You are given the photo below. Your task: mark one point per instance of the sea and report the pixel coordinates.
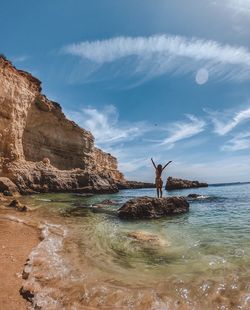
(88, 258)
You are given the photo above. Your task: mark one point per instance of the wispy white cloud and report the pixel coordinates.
(104, 125)
(133, 165)
(239, 142)
(117, 138)
(161, 54)
(239, 6)
(224, 122)
(113, 49)
(183, 130)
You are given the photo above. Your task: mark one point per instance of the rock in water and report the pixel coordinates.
(7, 187)
(18, 206)
(134, 185)
(145, 238)
(148, 207)
(173, 183)
(194, 196)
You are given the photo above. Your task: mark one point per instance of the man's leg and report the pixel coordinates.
(161, 192)
(157, 192)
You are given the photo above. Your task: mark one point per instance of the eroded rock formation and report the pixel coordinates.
(135, 185)
(148, 207)
(173, 183)
(7, 187)
(40, 149)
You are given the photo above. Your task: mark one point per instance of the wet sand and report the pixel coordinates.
(16, 243)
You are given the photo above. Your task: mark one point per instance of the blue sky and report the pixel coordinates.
(148, 78)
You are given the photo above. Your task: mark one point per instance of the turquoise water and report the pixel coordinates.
(90, 259)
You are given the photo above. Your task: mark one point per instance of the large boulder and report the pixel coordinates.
(7, 187)
(174, 183)
(148, 207)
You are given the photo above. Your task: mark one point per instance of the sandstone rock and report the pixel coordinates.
(7, 193)
(135, 185)
(146, 238)
(2, 198)
(46, 161)
(40, 149)
(148, 207)
(7, 187)
(174, 183)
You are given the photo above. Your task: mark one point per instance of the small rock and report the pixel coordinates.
(25, 275)
(107, 202)
(46, 161)
(7, 193)
(27, 294)
(18, 206)
(97, 206)
(193, 196)
(14, 203)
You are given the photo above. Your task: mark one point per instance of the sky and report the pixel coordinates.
(167, 79)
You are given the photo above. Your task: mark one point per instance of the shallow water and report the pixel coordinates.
(88, 258)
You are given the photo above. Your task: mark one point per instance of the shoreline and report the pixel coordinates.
(71, 278)
(17, 241)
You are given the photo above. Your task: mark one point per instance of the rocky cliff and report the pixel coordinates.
(40, 149)
(174, 183)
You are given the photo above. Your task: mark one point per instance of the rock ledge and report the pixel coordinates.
(174, 183)
(148, 207)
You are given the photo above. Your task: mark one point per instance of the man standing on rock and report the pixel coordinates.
(158, 179)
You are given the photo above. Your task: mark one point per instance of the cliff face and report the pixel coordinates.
(40, 149)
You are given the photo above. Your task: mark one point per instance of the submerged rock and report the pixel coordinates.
(173, 183)
(146, 238)
(17, 205)
(193, 196)
(84, 194)
(148, 207)
(108, 202)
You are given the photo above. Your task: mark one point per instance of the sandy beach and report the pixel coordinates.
(16, 243)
